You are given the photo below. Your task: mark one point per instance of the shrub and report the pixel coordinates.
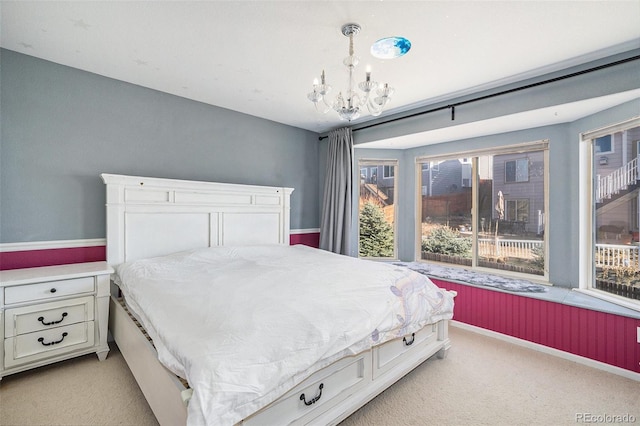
(445, 240)
(538, 257)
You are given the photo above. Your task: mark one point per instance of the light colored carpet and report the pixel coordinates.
(483, 381)
(81, 391)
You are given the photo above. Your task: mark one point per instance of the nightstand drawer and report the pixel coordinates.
(46, 343)
(45, 316)
(48, 290)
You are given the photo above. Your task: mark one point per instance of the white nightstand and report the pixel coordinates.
(53, 313)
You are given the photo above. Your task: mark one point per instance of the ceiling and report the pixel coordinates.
(261, 57)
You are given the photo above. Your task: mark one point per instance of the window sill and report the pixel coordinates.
(585, 299)
(580, 298)
(608, 298)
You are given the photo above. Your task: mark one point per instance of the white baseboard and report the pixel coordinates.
(551, 351)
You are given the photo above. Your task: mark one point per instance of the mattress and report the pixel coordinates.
(245, 324)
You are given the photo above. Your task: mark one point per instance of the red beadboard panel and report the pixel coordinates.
(600, 336)
(311, 239)
(65, 256)
(50, 257)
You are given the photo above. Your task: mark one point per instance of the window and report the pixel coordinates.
(445, 227)
(517, 210)
(613, 259)
(377, 210)
(516, 170)
(508, 232)
(603, 145)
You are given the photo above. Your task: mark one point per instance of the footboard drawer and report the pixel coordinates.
(317, 394)
(390, 353)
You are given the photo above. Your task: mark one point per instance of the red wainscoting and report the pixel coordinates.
(608, 338)
(311, 239)
(68, 255)
(50, 257)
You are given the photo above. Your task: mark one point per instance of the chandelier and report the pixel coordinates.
(349, 105)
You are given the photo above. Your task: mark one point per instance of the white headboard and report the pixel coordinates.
(151, 217)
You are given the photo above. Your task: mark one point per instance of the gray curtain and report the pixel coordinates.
(335, 226)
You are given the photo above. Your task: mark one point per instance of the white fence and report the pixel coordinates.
(605, 254)
(487, 247)
(617, 255)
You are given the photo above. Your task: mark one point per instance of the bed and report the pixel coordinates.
(305, 349)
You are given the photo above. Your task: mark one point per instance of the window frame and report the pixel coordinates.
(586, 215)
(539, 145)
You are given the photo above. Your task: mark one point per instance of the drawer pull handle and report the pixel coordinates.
(314, 400)
(413, 339)
(41, 340)
(41, 319)
(53, 290)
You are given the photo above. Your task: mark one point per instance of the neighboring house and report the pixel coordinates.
(617, 186)
(520, 177)
(446, 177)
(378, 182)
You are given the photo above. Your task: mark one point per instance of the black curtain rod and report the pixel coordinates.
(493, 95)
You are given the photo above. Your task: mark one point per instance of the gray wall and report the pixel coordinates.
(563, 192)
(563, 155)
(61, 127)
(603, 82)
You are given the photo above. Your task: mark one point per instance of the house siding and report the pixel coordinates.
(531, 190)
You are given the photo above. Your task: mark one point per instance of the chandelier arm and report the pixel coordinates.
(365, 99)
(328, 106)
(374, 108)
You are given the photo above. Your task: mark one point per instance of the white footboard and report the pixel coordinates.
(330, 395)
(402, 358)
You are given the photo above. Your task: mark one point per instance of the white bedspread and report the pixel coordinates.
(244, 325)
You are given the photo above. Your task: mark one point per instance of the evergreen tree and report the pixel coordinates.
(445, 240)
(376, 234)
